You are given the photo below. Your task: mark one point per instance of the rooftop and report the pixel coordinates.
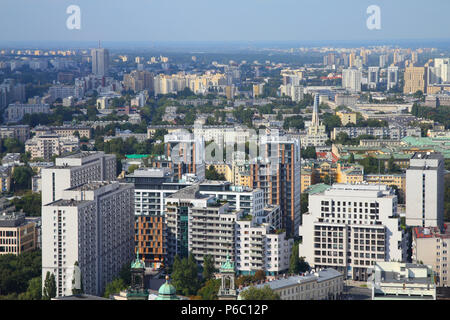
(320, 276)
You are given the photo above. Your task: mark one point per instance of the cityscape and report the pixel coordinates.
(220, 170)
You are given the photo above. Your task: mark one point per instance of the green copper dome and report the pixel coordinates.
(167, 291)
(137, 264)
(227, 266)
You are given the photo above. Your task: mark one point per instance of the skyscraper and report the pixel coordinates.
(278, 174)
(425, 190)
(100, 61)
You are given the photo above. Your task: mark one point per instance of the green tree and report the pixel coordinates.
(304, 198)
(212, 174)
(22, 178)
(260, 275)
(265, 293)
(308, 153)
(303, 265)
(49, 286)
(352, 158)
(208, 267)
(132, 168)
(210, 289)
(30, 203)
(114, 287)
(34, 291)
(185, 275)
(331, 121)
(294, 263)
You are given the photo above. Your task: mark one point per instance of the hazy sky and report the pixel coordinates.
(222, 20)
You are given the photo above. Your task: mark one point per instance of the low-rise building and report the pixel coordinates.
(16, 112)
(17, 234)
(48, 145)
(325, 284)
(403, 281)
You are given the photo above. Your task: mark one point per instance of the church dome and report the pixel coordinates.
(167, 291)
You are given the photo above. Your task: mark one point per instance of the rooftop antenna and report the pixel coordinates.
(99, 44)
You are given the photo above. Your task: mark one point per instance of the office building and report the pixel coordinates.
(88, 234)
(425, 190)
(350, 228)
(17, 233)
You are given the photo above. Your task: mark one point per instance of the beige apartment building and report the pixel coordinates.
(415, 80)
(431, 247)
(48, 145)
(346, 117)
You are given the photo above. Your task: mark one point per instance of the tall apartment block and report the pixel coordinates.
(425, 190)
(392, 77)
(415, 80)
(200, 224)
(431, 247)
(186, 152)
(350, 228)
(277, 173)
(75, 170)
(91, 225)
(152, 186)
(372, 77)
(261, 246)
(351, 79)
(100, 61)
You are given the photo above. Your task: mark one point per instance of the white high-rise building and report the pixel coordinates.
(350, 228)
(261, 247)
(372, 77)
(75, 170)
(383, 60)
(392, 77)
(351, 79)
(100, 61)
(88, 236)
(444, 65)
(425, 190)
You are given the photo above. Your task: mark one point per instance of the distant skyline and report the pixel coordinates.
(218, 21)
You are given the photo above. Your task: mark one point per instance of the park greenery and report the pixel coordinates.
(19, 275)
